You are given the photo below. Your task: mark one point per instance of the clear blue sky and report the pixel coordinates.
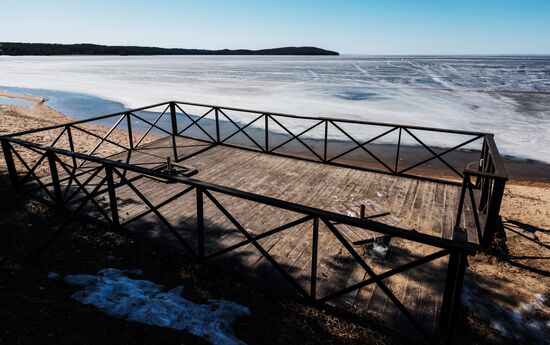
(364, 26)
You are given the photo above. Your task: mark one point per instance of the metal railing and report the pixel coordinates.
(485, 193)
(271, 119)
(104, 175)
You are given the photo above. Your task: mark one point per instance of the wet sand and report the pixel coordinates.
(519, 171)
(15, 118)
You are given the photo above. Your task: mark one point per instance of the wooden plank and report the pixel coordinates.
(425, 208)
(449, 212)
(260, 221)
(426, 205)
(329, 247)
(298, 239)
(334, 251)
(410, 200)
(437, 215)
(250, 209)
(358, 273)
(293, 237)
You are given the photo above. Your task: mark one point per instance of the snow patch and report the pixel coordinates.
(144, 301)
(378, 248)
(351, 214)
(523, 324)
(53, 275)
(500, 328)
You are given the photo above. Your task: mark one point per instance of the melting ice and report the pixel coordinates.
(144, 301)
(523, 323)
(508, 96)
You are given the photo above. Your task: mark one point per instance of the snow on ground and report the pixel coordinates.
(53, 275)
(351, 214)
(378, 248)
(523, 324)
(144, 301)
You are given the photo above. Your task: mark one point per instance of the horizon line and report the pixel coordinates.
(293, 46)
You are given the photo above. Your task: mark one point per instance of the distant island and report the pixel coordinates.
(9, 48)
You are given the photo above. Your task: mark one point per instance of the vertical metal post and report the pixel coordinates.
(451, 295)
(112, 195)
(484, 154)
(130, 136)
(362, 211)
(217, 125)
(314, 249)
(492, 214)
(8, 157)
(484, 183)
(71, 143)
(200, 223)
(266, 132)
(174, 129)
(397, 154)
(55, 178)
(465, 182)
(169, 166)
(326, 142)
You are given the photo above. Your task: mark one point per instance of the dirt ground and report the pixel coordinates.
(500, 284)
(517, 270)
(35, 309)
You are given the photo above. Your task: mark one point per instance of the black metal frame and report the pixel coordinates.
(485, 194)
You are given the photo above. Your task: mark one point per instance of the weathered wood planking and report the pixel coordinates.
(413, 204)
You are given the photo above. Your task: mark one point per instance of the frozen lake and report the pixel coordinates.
(508, 96)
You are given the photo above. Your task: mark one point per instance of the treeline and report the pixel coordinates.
(8, 48)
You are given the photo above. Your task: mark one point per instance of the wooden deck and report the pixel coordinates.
(423, 206)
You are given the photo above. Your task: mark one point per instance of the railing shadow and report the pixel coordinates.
(502, 250)
(221, 284)
(156, 224)
(498, 307)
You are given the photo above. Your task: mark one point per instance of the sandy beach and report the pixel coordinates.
(514, 274)
(16, 118)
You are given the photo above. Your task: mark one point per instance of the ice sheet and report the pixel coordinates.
(508, 96)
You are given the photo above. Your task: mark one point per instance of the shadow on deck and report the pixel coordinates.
(368, 241)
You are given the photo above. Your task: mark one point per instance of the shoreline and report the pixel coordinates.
(36, 100)
(521, 171)
(17, 118)
(86, 105)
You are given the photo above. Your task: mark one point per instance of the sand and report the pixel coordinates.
(15, 118)
(512, 274)
(510, 279)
